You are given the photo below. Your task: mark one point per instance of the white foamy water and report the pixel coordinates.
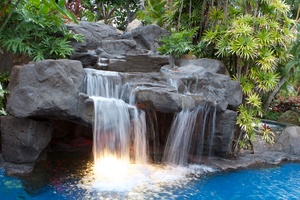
(144, 181)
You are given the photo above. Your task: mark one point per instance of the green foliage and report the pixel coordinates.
(267, 133)
(153, 12)
(254, 43)
(271, 115)
(37, 28)
(251, 37)
(4, 78)
(177, 44)
(117, 13)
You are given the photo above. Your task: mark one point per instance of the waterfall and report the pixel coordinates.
(111, 128)
(119, 128)
(189, 133)
(178, 143)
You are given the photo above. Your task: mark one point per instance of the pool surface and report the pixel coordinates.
(63, 178)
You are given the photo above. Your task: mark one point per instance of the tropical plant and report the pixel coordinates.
(178, 43)
(153, 12)
(251, 37)
(36, 28)
(256, 43)
(267, 134)
(114, 12)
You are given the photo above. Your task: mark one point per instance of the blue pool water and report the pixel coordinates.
(61, 179)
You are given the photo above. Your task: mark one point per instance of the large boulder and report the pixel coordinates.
(106, 48)
(290, 140)
(224, 132)
(147, 37)
(93, 33)
(196, 80)
(23, 140)
(290, 117)
(48, 88)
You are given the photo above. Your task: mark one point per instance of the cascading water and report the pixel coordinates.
(117, 127)
(120, 142)
(189, 130)
(192, 131)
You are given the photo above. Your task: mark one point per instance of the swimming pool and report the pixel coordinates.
(64, 178)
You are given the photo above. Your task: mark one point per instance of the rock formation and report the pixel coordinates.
(41, 92)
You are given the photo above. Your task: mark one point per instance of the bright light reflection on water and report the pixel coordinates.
(62, 177)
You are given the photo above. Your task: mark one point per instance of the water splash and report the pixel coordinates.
(120, 143)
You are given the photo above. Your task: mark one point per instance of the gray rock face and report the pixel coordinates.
(24, 139)
(122, 52)
(290, 140)
(138, 63)
(147, 37)
(94, 33)
(46, 88)
(224, 132)
(198, 81)
(209, 64)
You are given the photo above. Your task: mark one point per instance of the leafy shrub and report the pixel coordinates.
(177, 44)
(272, 115)
(267, 133)
(37, 28)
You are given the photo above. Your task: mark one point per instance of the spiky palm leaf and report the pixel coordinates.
(245, 47)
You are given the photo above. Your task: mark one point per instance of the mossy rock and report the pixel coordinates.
(290, 117)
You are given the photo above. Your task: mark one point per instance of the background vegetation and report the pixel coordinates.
(257, 40)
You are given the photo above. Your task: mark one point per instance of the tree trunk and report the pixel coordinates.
(180, 13)
(9, 15)
(272, 94)
(204, 19)
(190, 11)
(225, 10)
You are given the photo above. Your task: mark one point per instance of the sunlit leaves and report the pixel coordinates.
(245, 47)
(266, 60)
(280, 7)
(223, 47)
(210, 36)
(216, 14)
(246, 119)
(155, 12)
(247, 85)
(264, 80)
(255, 102)
(264, 38)
(267, 133)
(242, 29)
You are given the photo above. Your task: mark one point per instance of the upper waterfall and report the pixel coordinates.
(119, 129)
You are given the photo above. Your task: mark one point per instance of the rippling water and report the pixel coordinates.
(63, 177)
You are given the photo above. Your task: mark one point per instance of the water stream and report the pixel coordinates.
(121, 143)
